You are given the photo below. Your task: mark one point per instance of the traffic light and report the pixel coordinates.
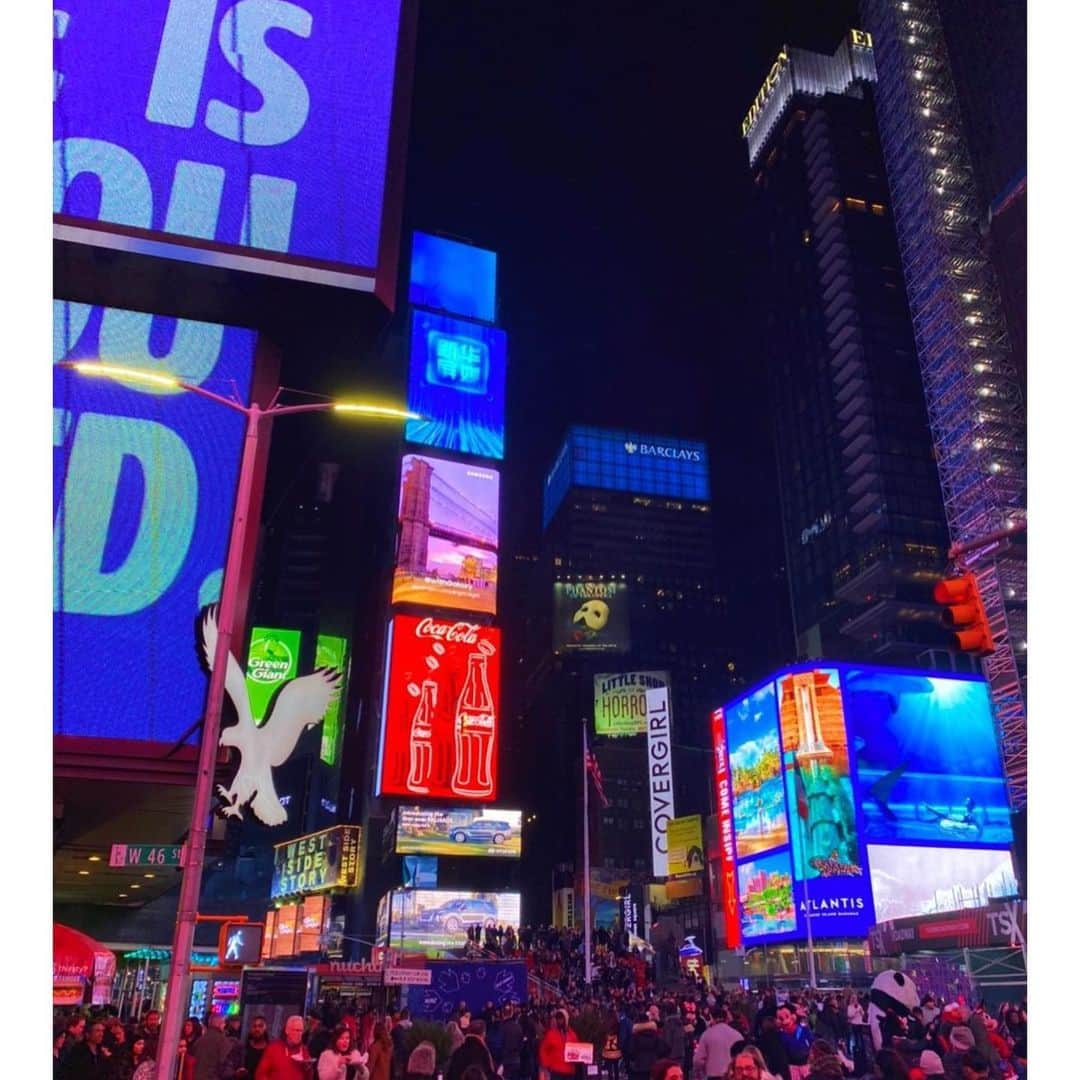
(964, 614)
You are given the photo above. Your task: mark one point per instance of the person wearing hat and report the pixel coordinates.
(960, 1041)
(553, 1046)
(421, 1063)
(931, 1065)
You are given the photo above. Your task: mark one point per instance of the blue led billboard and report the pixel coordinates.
(457, 382)
(254, 126)
(928, 760)
(144, 482)
(618, 460)
(452, 277)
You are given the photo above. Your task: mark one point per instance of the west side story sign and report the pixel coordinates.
(324, 860)
(661, 787)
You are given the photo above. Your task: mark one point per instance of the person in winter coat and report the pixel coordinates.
(473, 1051)
(286, 1058)
(553, 1045)
(646, 1048)
(672, 1032)
(381, 1053)
(513, 1039)
(334, 1061)
(712, 1058)
(421, 1063)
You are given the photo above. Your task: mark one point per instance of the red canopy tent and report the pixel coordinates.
(80, 962)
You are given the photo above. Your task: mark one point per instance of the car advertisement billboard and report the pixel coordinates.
(440, 717)
(144, 481)
(619, 701)
(686, 848)
(243, 135)
(448, 540)
(437, 920)
(273, 659)
(591, 617)
(457, 383)
(451, 276)
(925, 881)
(458, 831)
(929, 767)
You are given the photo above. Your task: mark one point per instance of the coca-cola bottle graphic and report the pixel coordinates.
(420, 760)
(474, 733)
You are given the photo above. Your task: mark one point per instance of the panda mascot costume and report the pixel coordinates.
(890, 991)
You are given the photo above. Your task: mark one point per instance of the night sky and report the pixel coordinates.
(596, 147)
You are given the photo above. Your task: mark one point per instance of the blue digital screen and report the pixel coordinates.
(457, 381)
(144, 482)
(452, 277)
(420, 871)
(263, 124)
(928, 762)
(619, 460)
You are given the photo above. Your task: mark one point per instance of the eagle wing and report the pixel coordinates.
(301, 703)
(235, 686)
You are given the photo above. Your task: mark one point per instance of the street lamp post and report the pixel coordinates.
(258, 423)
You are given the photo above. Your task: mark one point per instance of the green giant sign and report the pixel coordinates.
(272, 661)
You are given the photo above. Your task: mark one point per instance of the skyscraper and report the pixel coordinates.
(861, 508)
(974, 396)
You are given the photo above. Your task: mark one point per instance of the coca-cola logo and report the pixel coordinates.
(460, 633)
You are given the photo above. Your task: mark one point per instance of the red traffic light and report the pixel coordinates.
(964, 614)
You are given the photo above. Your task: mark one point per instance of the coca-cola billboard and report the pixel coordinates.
(439, 736)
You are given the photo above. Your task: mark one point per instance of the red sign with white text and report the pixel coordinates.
(440, 722)
(730, 896)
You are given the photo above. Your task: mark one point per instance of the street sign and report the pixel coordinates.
(407, 977)
(147, 855)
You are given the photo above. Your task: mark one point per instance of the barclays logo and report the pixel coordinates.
(669, 452)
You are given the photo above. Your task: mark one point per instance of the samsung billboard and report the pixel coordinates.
(620, 460)
(845, 782)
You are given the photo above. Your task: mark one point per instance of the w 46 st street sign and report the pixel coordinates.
(147, 855)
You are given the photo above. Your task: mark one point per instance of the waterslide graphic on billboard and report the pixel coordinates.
(437, 921)
(756, 782)
(924, 881)
(591, 616)
(448, 547)
(459, 831)
(457, 383)
(765, 895)
(453, 277)
(817, 775)
(248, 127)
(619, 701)
(927, 760)
(439, 736)
(143, 488)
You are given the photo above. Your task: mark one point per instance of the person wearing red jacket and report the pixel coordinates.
(286, 1058)
(553, 1046)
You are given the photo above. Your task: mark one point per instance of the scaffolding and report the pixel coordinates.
(974, 398)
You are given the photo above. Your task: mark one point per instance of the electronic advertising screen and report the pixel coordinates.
(591, 617)
(457, 383)
(440, 721)
(144, 482)
(928, 764)
(285, 929)
(448, 535)
(420, 871)
(252, 136)
(437, 921)
(925, 881)
(686, 848)
(766, 896)
(619, 707)
(451, 276)
(273, 660)
(333, 652)
(423, 830)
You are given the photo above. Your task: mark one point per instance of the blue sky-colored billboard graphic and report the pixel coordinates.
(927, 759)
(256, 124)
(756, 782)
(144, 482)
(452, 277)
(457, 381)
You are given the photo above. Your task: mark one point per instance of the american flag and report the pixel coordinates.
(593, 768)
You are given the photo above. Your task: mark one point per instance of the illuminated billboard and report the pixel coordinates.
(619, 460)
(591, 616)
(246, 136)
(143, 486)
(766, 895)
(661, 780)
(440, 722)
(420, 871)
(929, 766)
(333, 653)
(686, 848)
(437, 920)
(448, 543)
(619, 701)
(457, 383)
(454, 277)
(273, 659)
(925, 881)
(447, 830)
(329, 859)
(726, 832)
